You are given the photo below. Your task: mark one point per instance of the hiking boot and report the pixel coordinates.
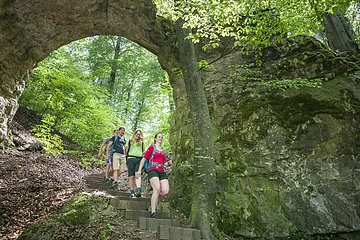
(109, 180)
(153, 215)
(114, 184)
(132, 195)
(138, 193)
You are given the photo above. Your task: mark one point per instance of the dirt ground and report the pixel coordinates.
(34, 185)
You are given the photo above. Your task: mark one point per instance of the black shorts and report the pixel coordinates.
(133, 165)
(160, 175)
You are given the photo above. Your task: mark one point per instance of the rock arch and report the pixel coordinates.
(289, 160)
(31, 30)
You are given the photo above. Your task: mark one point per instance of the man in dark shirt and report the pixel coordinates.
(107, 163)
(115, 148)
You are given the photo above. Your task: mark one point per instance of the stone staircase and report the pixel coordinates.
(137, 209)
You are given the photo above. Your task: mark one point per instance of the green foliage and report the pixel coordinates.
(51, 142)
(204, 65)
(353, 14)
(58, 88)
(139, 79)
(87, 159)
(164, 7)
(254, 24)
(72, 86)
(108, 229)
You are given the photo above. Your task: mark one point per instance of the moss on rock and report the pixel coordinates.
(299, 109)
(80, 209)
(253, 207)
(80, 212)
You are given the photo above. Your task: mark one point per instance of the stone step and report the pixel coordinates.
(101, 176)
(153, 223)
(136, 214)
(125, 195)
(96, 180)
(100, 186)
(96, 175)
(115, 192)
(107, 187)
(118, 193)
(130, 204)
(177, 233)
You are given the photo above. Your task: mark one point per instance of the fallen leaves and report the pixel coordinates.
(33, 186)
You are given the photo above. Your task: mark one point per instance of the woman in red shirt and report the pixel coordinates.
(156, 174)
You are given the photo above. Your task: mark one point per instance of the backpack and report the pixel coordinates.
(147, 163)
(112, 150)
(127, 152)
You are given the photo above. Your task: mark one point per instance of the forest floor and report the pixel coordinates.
(34, 185)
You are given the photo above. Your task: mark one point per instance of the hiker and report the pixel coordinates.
(134, 151)
(107, 163)
(156, 174)
(115, 148)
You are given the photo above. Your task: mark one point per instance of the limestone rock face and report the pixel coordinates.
(288, 160)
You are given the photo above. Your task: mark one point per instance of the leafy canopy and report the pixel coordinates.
(71, 87)
(255, 23)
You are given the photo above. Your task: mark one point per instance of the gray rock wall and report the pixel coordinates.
(288, 161)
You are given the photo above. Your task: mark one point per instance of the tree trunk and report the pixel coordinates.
(114, 65)
(128, 97)
(339, 34)
(204, 186)
(171, 103)
(138, 114)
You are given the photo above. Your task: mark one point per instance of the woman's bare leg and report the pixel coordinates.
(155, 184)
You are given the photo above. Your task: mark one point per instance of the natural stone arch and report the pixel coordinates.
(264, 139)
(31, 30)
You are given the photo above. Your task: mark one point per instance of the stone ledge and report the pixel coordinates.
(153, 223)
(131, 204)
(136, 214)
(177, 233)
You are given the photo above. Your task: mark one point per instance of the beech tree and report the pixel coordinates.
(114, 65)
(202, 214)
